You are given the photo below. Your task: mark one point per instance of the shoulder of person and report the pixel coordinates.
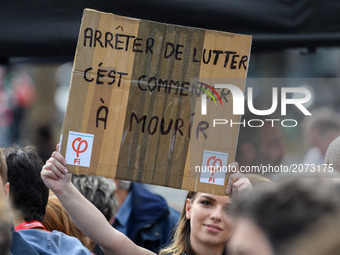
(53, 241)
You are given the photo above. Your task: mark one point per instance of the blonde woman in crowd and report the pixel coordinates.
(204, 228)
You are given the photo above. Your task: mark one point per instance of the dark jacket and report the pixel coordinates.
(151, 220)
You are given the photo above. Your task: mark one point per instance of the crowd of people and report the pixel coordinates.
(46, 210)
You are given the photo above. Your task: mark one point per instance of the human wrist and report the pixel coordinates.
(65, 191)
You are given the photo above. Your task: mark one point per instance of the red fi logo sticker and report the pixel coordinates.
(214, 164)
(80, 142)
(213, 167)
(79, 149)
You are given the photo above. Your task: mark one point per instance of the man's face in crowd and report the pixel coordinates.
(270, 150)
(248, 239)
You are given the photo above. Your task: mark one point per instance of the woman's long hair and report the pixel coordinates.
(181, 239)
(56, 218)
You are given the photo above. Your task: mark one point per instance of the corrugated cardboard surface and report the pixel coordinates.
(131, 87)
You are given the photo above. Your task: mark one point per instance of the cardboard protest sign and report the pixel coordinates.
(132, 96)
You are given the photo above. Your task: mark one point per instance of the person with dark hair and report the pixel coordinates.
(322, 239)
(207, 215)
(259, 145)
(19, 246)
(27, 192)
(270, 222)
(28, 197)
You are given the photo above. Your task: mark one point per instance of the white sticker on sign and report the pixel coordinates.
(214, 166)
(79, 149)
